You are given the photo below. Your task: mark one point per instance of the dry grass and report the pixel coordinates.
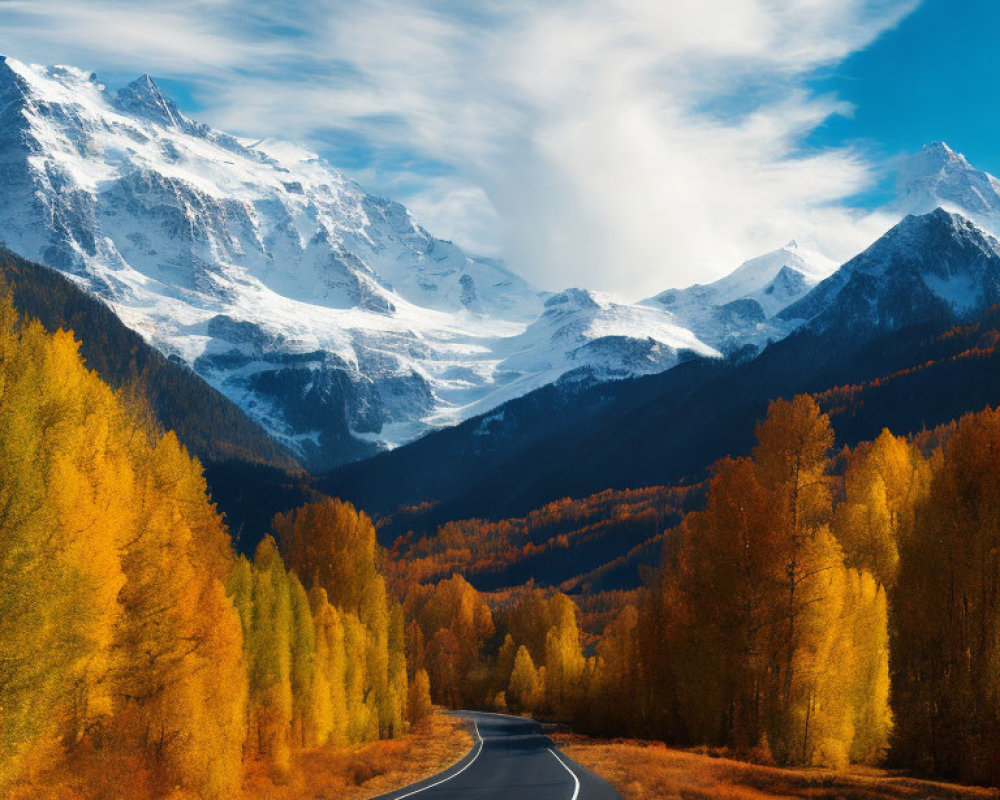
(651, 771)
(369, 771)
(323, 774)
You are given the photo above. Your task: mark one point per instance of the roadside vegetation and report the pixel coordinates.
(371, 770)
(652, 771)
(321, 773)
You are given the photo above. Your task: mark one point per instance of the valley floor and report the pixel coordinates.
(652, 771)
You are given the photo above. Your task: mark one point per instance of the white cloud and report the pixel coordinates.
(627, 145)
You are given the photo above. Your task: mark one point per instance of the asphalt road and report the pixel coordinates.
(511, 760)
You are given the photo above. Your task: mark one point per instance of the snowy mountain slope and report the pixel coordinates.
(583, 335)
(938, 177)
(327, 314)
(748, 306)
(929, 267)
(740, 308)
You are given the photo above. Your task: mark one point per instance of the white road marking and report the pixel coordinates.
(479, 749)
(576, 780)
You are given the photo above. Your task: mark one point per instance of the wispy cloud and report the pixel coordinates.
(621, 144)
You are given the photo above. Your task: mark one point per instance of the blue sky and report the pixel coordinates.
(935, 77)
(619, 144)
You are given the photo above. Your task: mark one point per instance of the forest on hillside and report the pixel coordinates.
(822, 609)
(136, 649)
(811, 607)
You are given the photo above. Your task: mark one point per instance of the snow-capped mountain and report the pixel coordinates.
(769, 296)
(329, 315)
(740, 308)
(934, 271)
(929, 267)
(938, 177)
(586, 335)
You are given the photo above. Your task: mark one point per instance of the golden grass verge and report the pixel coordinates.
(329, 773)
(325, 773)
(651, 771)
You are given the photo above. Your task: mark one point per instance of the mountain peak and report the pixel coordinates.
(572, 299)
(8, 73)
(934, 223)
(920, 238)
(941, 148)
(144, 97)
(936, 156)
(374, 330)
(938, 177)
(145, 83)
(926, 265)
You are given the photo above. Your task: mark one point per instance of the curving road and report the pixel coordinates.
(512, 759)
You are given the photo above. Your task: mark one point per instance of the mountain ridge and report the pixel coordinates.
(328, 315)
(664, 428)
(277, 279)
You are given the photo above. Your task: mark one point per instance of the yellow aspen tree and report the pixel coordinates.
(180, 679)
(454, 605)
(815, 724)
(362, 718)
(443, 655)
(790, 460)
(727, 600)
(524, 688)
(270, 683)
(214, 731)
(398, 679)
(418, 704)
(319, 722)
(414, 647)
(329, 711)
(529, 620)
(209, 706)
(303, 651)
(504, 664)
(89, 484)
(331, 545)
(59, 572)
(868, 626)
(375, 607)
(563, 659)
(882, 484)
(340, 678)
(113, 563)
(239, 587)
(614, 677)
